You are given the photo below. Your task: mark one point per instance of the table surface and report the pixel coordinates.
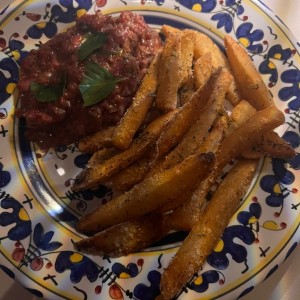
(284, 283)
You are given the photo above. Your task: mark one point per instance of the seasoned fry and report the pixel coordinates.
(189, 113)
(202, 69)
(203, 45)
(243, 112)
(133, 174)
(187, 90)
(182, 215)
(186, 58)
(275, 146)
(125, 238)
(102, 155)
(91, 177)
(190, 211)
(247, 134)
(175, 69)
(198, 131)
(169, 77)
(168, 30)
(270, 143)
(97, 141)
(232, 146)
(233, 94)
(149, 195)
(204, 235)
(133, 118)
(248, 79)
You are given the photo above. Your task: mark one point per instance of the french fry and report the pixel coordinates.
(204, 235)
(203, 69)
(248, 79)
(133, 118)
(243, 112)
(169, 77)
(125, 238)
(232, 146)
(189, 113)
(254, 90)
(248, 133)
(175, 69)
(168, 30)
(275, 146)
(99, 173)
(125, 179)
(149, 195)
(203, 45)
(97, 141)
(233, 94)
(134, 173)
(186, 59)
(102, 155)
(183, 216)
(180, 217)
(199, 130)
(187, 91)
(270, 143)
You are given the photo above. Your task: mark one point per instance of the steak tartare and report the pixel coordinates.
(53, 78)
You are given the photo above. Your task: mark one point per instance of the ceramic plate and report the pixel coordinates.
(38, 210)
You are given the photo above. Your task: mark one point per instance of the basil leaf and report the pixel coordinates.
(97, 84)
(48, 93)
(93, 42)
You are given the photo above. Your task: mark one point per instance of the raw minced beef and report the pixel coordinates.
(128, 50)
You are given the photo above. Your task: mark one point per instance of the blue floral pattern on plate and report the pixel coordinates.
(38, 210)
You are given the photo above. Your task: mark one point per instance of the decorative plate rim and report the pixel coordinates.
(290, 240)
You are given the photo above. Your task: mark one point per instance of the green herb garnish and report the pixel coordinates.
(48, 93)
(97, 84)
(92, 42)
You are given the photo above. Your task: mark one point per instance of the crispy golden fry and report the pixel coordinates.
(125, 238)
(203, 45)
(275, 146)
(175, 69)
(184, 215)
(248, 79)
(168, 30)
(189, 113)
(91, 177)
(149, 195)
(102, 155)
(169, 76)
(233, 94)
(200, 128)
(233, 145)
(187, 91)
(203, 69)
(270, 143)
(247, 134)
(133, 174)
(186, 59)
(97, 141)
(204, 235)
(133, 118)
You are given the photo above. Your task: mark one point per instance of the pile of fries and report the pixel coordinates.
(169, 151)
